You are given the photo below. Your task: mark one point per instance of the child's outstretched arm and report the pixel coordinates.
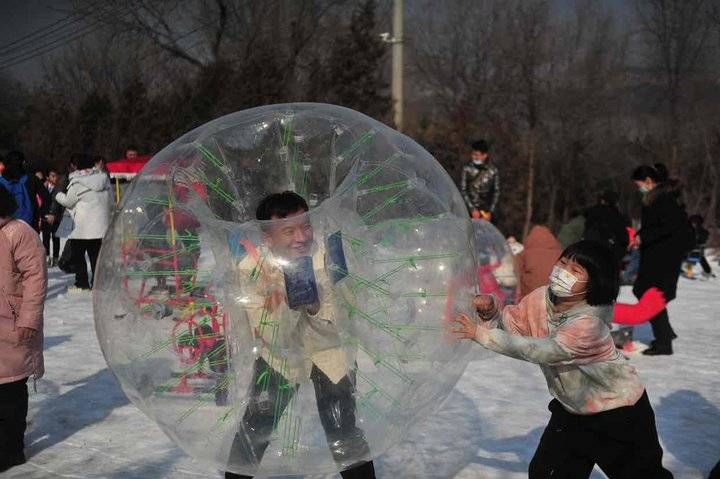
(515, 319)
(650, 305)
(535, 350)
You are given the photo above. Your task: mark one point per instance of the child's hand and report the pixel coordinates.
(485, 306)
(464, 328)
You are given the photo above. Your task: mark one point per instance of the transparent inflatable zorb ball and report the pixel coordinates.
(277, 288)
(496, 267)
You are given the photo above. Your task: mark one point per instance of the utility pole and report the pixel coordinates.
(397, 64)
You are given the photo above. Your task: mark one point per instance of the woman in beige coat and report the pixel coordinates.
(23, 283)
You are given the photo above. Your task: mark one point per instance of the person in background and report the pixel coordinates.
(29, 192)
(23, 285)
(701, 236)
(480, 183)
(664, 239)
(572, 231)
(131, 153)
(605, 224)
(51, 221)
(89, 200)
(534, 264)
(515, 246)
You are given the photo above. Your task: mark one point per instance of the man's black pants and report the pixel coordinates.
(79, 248)
(48, 236)
(269, 397)
(13, 414)
(623, 442)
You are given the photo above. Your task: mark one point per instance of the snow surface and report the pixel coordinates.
(81, 425)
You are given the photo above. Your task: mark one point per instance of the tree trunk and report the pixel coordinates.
(530, 183)
(551, 206)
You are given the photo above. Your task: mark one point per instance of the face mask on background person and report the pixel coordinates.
(562, 282)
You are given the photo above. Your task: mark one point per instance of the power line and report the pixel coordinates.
(57, 43)
(27, 40)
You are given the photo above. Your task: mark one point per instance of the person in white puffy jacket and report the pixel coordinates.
(89, 201)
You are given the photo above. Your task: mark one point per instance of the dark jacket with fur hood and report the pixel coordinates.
(665, 238)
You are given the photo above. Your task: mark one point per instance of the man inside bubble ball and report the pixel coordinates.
(287, 297)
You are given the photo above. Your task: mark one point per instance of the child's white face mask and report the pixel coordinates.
(562, 282)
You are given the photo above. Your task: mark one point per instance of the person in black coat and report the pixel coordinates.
(606, 225)
(701, 236)
(52, 218)
(664, 239)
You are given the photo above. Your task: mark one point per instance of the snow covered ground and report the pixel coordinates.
(81, 425)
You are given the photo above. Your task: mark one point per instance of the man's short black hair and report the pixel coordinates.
(603, 277)
(280, 205)
(8, 205)
(645, 171)
(481, 146)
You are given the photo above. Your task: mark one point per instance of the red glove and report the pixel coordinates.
(650, 305)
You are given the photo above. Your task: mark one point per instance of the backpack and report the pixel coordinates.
(19, 189)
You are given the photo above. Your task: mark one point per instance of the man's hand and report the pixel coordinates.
(635, 244)
(485, 306)
(26, 334)
(485, 215)
(475, 214)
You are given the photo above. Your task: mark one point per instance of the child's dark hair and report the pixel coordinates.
(8, 205)
(280, 205)
(603, 277)
(480, 145)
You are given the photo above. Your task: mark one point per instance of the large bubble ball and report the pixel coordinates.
(266, 339)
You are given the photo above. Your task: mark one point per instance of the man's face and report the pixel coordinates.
(52, 177)
(131, 154)
(290, 237)
(478, 156)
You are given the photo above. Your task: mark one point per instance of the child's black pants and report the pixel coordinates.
(623, 442)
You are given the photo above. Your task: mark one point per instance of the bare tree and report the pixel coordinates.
(528, 52)
(677, 33)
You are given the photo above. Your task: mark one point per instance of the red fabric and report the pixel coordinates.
(650, 305)
(632, 232)
(128, 166)
(488, 282)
